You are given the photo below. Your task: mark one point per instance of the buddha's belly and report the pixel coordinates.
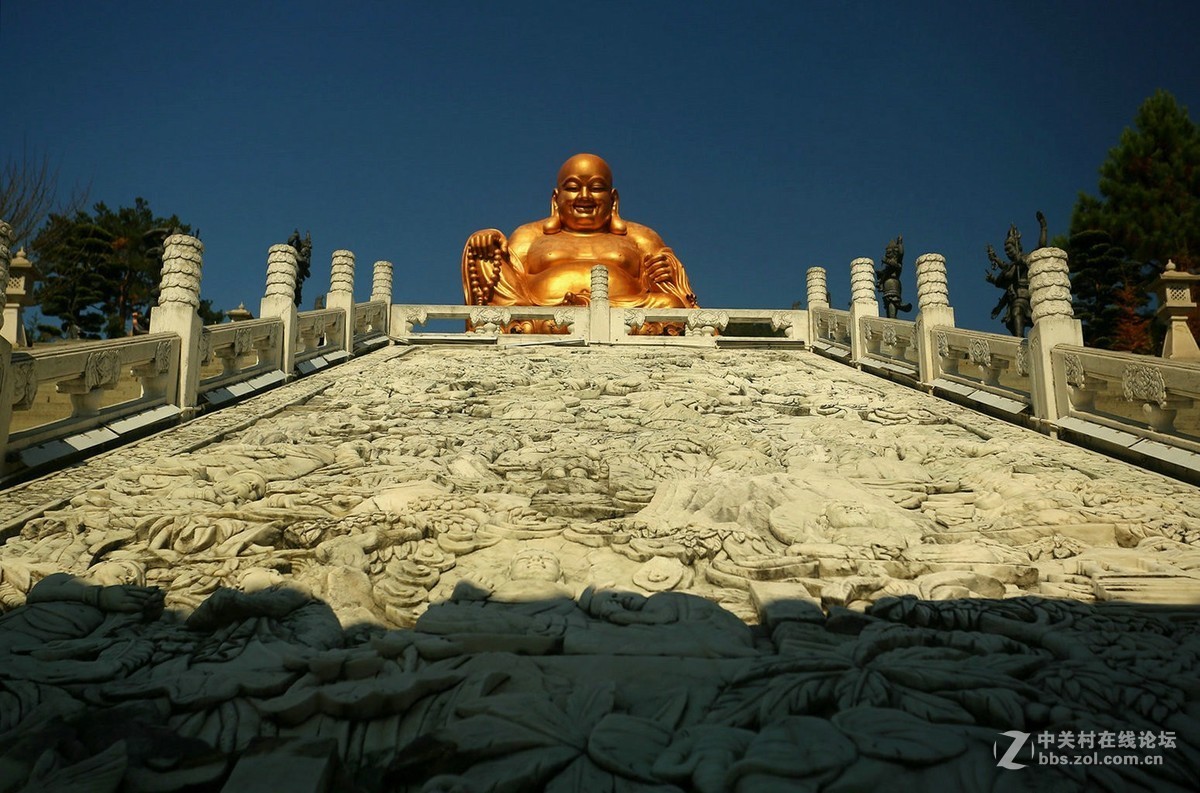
(551, 285)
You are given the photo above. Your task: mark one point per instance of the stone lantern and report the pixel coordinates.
(1175, 302)
(21, 277)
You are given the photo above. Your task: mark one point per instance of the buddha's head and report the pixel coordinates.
(532, 564)
(584, 199)
(241, 487)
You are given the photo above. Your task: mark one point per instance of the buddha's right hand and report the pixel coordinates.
(487, 245)
(484, 256)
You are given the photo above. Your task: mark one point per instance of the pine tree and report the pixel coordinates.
(99, 267)
(1148, 213)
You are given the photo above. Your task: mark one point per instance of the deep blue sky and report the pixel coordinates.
(758, 139)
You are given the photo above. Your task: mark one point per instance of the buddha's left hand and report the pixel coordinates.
(656, 268)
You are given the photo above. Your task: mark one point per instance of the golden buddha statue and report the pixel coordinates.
(549, 262)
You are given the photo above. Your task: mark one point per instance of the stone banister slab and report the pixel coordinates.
(86, 373)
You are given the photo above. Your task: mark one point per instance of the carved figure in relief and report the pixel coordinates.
(887, 278)
(549, 262)
(1013, 277)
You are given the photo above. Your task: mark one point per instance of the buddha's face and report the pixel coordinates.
(117, 572)
(534, 565)
(242, 486)
(584, 196)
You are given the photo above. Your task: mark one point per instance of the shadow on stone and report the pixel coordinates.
(610, 690)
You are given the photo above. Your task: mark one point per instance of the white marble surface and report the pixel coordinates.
(587, 568)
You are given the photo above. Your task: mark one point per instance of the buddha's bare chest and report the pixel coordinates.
(560, 250)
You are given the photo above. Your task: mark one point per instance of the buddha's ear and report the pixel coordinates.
(616, 225)
(553, 224)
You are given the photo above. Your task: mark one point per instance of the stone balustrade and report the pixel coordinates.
(890, 344)
(108, 391)
(1155, 398)
(1049, 382)
(244, 349)
(831, 331)
(105, 382)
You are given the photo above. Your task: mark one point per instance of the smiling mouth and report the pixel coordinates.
(586, 209)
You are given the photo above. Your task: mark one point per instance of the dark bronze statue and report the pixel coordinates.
(887, 278)
(303, 259)
(1013, 277)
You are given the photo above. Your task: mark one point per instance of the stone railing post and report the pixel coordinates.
(280, 301)
(341, 294)
(178, 299)
(817, 293)
(599, 312)
(6, 377)
(862, 304)
(381, 290)
(1054, 323)
(933, 311)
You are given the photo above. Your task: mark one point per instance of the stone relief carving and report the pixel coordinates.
(781, 321)
(1023, 358)
(1076, 376)
(565, 317)
(706, 322)
(979, 352)
(205, 350)
(101, 369)
(162, 357)
(536, 569)
(490, 320)
(242, 342)
(634, 318)
(418, 315)
(25, 384)
(943, 345)
(1143, 383)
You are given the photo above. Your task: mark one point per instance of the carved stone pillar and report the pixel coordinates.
(862, 304)
(280, 301)
(6, 374)
(817, 294)
(1054, 323)
(818, 290)
(178, 299)
(341, 294)
(381, 282)
(600, 310)
(934, 311)
(381, 289)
